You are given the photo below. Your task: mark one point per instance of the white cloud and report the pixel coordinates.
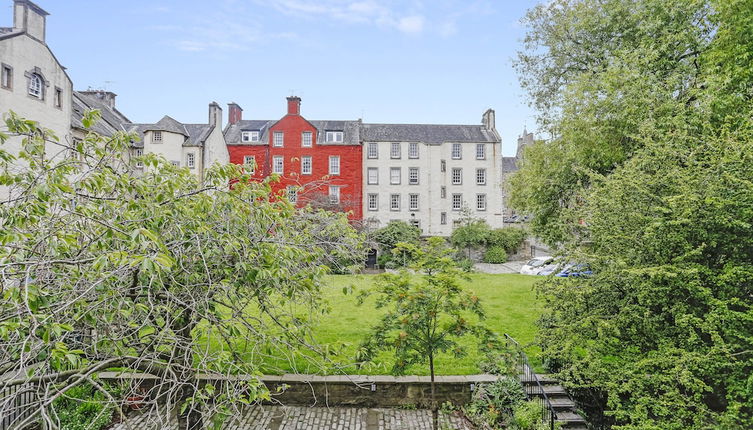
(411, 24)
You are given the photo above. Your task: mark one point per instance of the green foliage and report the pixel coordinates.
(648, 178)
(389, 236)
(508, 239)
(471, 234)
(495, 255)
(425, 315)
(527, 416)
(103, 266)
(85, 408)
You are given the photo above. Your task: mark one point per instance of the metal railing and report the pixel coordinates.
(532, 386)
(16, 404)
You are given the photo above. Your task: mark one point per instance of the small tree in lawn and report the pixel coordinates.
(471, 233)
(426, 313)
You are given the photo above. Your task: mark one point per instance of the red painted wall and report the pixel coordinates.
(316, 185)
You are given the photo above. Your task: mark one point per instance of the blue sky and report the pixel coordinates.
(422, 61)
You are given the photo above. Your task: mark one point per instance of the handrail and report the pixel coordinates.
(548, 414)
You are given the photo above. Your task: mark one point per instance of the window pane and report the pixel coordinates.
(395, 175)
(373, 151)
(373, 176)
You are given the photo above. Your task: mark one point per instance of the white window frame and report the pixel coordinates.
(6, 78)
(457, 151)
(307, 139)
(415, 223)
(457, 198)
(334, 136)
(372, 176)
(395, 150)
(411, 176)
(393, 180)
(334, 164)
(373, 202)
(334, 194)
(480, 176)
(250, 160)
(157, 136)
(191, 160)
(457, 180)
(250, 136)
(372, 151)
(278, 139)
(443, 166)
(413, 150)
(480, 151)
(413, 198)
(292, 193)
(278, 168)
(395, 202)
(139, 153)
(307, 165)
(443, 218)
(481, 202)
(175, 163)
(36, 86)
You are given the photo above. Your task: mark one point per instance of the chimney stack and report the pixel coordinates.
(234, 113)
(215, 115)
(107, 97)
(30, 18)
(294, 105)
(488, 120)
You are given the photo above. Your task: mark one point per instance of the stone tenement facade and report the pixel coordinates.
(318, 162)
(423, 174)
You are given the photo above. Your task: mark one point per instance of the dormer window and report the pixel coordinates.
(334, 136)
(250, 136)
(156, 137)
(35, 86)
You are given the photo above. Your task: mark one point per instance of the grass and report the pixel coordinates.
(509, 302)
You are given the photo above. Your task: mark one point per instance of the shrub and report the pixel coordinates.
(509, 238)
(471, 235)
(83, 408)
(495, 255)
(527, 416)
(389, 236)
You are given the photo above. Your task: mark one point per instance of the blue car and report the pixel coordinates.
(575, 270)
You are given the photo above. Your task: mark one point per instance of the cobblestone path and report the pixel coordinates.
(318, 418)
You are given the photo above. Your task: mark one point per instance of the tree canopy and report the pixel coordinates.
(646, 176)
(158, 273)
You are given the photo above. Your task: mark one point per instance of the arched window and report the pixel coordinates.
(35, 86)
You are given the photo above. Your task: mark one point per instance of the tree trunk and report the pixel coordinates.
(434, 408)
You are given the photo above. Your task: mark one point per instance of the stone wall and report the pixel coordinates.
(350, 390)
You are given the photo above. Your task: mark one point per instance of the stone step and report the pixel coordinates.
(544, 379)
(550, 390)
(559, 403)
(570, 418)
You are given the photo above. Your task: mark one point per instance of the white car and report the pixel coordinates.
(535, 264)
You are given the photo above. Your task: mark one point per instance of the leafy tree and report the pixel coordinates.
(102, 268)
(648, 178)
(390, 235)
(425, 314)
(471, 233)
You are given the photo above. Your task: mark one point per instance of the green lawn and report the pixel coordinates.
(509, 301)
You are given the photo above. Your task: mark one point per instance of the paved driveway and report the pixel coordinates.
(318, 418)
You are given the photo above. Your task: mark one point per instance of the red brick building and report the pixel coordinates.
(319, 162)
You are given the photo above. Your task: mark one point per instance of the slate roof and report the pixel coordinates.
(195, 134)
(112, 120)
(426, 133)
(509, 164)
(233, 131)
(351, 129)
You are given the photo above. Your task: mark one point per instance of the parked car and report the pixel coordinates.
(534, 265)
(553, 267)
(575, 270)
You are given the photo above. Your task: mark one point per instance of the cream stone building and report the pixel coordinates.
(426, 174)
(193, 146)
(33, 83)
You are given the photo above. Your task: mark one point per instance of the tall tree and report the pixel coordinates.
(158, 273)
(647, 176)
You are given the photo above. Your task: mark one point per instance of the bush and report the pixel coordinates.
(465, 264)
(389, 236)
(527, 416)
(495, 255)
(492, 405)
(509, 238)
(84, 408)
